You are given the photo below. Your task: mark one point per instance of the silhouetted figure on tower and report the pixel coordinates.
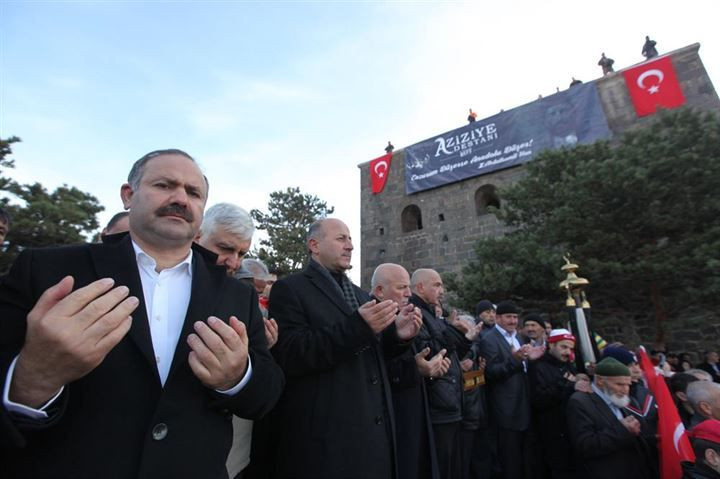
(649, 51)
(606, 64)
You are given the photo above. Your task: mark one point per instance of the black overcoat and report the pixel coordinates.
(334, 419)
(105, 422)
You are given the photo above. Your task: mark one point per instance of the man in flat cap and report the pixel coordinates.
(507, 387)
(705, 440)
(485, 313)
(605, 436)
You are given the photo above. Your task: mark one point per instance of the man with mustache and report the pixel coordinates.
(605, 437)
(128, 358)
(552, 381)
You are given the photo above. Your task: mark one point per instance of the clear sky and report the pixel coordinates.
(268, 95)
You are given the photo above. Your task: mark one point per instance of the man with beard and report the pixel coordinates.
(94, 392)
(416, 455)
(552, 381)
(335, 417)
(444, 392)
(606, 439)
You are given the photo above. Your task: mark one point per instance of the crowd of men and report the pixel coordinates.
(162, 352)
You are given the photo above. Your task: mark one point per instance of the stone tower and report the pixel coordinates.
(438, 227)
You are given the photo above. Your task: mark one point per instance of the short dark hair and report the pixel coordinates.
(700, 446)
(5, 216)
(138, 168)
(117, 217)
(679, 382)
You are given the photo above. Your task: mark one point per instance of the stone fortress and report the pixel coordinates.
(439, 227)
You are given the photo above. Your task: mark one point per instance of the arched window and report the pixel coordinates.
(411, 219)
(486, 196)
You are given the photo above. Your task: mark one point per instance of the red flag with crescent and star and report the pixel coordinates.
(379, 169)
(674, 445)
(652, 85)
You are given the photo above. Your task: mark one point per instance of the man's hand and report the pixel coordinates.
(435, 367)
(535, 352)
(453, 321)
(632, 425)
(378, 315)
(466, 364)
(521, 354)
(68, 335)
(408, 322)
(219, 352)
(271, 332)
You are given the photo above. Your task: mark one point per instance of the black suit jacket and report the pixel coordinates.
(506, 384)
(104, 426)
(603, 446)
(335, 416)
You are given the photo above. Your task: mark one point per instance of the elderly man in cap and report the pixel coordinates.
(705, 440)
(605, 436)
(552, 381)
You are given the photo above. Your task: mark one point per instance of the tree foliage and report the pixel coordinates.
(640, 217)
(290, 213)
(42, 218)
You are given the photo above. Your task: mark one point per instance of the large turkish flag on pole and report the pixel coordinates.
(652, 85)
(379, 169)
(674, 444)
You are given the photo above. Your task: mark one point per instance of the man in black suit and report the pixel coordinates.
(335, 416)
(507, 387)
(605, 437)
(91, 391)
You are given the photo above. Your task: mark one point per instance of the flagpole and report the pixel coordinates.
(577, 303)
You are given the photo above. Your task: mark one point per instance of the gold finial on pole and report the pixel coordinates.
(573, 284)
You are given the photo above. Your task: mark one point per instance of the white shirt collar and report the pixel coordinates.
(506, 334)
(145, 260)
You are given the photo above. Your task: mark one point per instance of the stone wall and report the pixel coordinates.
(452, 223)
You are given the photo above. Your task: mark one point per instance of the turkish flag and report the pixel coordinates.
(674, 444)
(652, 85)
(379, 169)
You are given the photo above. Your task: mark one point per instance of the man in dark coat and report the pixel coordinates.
(416, 455)
(552, 381)
(335, 416)
(711, 365)
(444, 392)
(93, 392)
(507, 387)
(606, 440)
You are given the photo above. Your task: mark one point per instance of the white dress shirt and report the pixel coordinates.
(511, 338)
(167, 296)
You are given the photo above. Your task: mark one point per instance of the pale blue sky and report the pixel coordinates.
(268, 95)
